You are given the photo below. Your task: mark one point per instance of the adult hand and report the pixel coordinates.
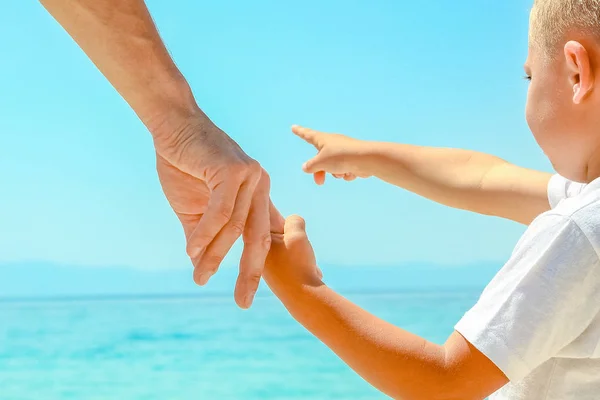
(216, 190)
(219, 193)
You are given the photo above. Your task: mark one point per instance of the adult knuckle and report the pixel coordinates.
(262, 240)
(236, 226)
(212, 261)
(253, 172)
(254, 167)
(265, 179)
(224, 212)
(266, 241)
(253, 278)
(235, 172)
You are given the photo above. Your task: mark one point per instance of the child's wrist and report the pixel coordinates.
(369, 158)
(292, 293)
(288, 286)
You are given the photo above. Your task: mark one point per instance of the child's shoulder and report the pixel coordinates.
(576, 201)
(575, 213)
(579, 202)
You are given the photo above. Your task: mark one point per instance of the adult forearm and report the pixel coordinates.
(121, 39)
(463, 179)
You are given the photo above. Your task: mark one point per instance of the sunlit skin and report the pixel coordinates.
(220, 194)
(562, 112)
(563, 103)
(458, 178)
(217, 191)
(398, 363)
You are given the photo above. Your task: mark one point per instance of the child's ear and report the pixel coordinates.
(579, 68)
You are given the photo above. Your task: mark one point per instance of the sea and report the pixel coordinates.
(194, 347)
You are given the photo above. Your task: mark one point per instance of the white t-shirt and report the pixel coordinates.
(539, 318)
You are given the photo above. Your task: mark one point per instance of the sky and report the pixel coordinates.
(79, 187)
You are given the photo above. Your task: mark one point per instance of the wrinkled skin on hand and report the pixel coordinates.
(218, 193)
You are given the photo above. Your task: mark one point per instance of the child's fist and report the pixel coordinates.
(291, 261)
(339, 155)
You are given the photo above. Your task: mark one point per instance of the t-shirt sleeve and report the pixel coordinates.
(560, 188)
(541, 300)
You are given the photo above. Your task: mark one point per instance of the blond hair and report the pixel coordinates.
(553, 20)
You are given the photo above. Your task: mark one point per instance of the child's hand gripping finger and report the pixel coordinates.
(287, 232)
(339, 155)
(291, 262)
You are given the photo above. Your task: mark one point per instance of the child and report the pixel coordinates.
(535, 331)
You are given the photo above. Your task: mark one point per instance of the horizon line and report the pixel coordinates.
(222, 295)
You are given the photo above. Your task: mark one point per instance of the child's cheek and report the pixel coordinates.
(541, 114)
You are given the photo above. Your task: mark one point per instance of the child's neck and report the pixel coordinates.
(592, 170)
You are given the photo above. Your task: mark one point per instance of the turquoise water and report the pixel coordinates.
(192, 348)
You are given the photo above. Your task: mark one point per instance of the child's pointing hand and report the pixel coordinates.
(339, 155)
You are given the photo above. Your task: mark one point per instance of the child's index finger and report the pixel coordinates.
(309, 135)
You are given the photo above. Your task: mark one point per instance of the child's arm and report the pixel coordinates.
(457, 178)
(396, 362)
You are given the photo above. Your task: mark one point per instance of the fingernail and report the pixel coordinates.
(204, 278)
(195, 253)
(248, 299)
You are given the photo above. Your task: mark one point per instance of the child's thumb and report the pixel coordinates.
(295, 224)
(315, 164)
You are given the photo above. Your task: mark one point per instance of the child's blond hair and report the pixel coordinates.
(553, 20)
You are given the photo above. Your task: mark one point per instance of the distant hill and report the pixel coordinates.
(35, 280)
